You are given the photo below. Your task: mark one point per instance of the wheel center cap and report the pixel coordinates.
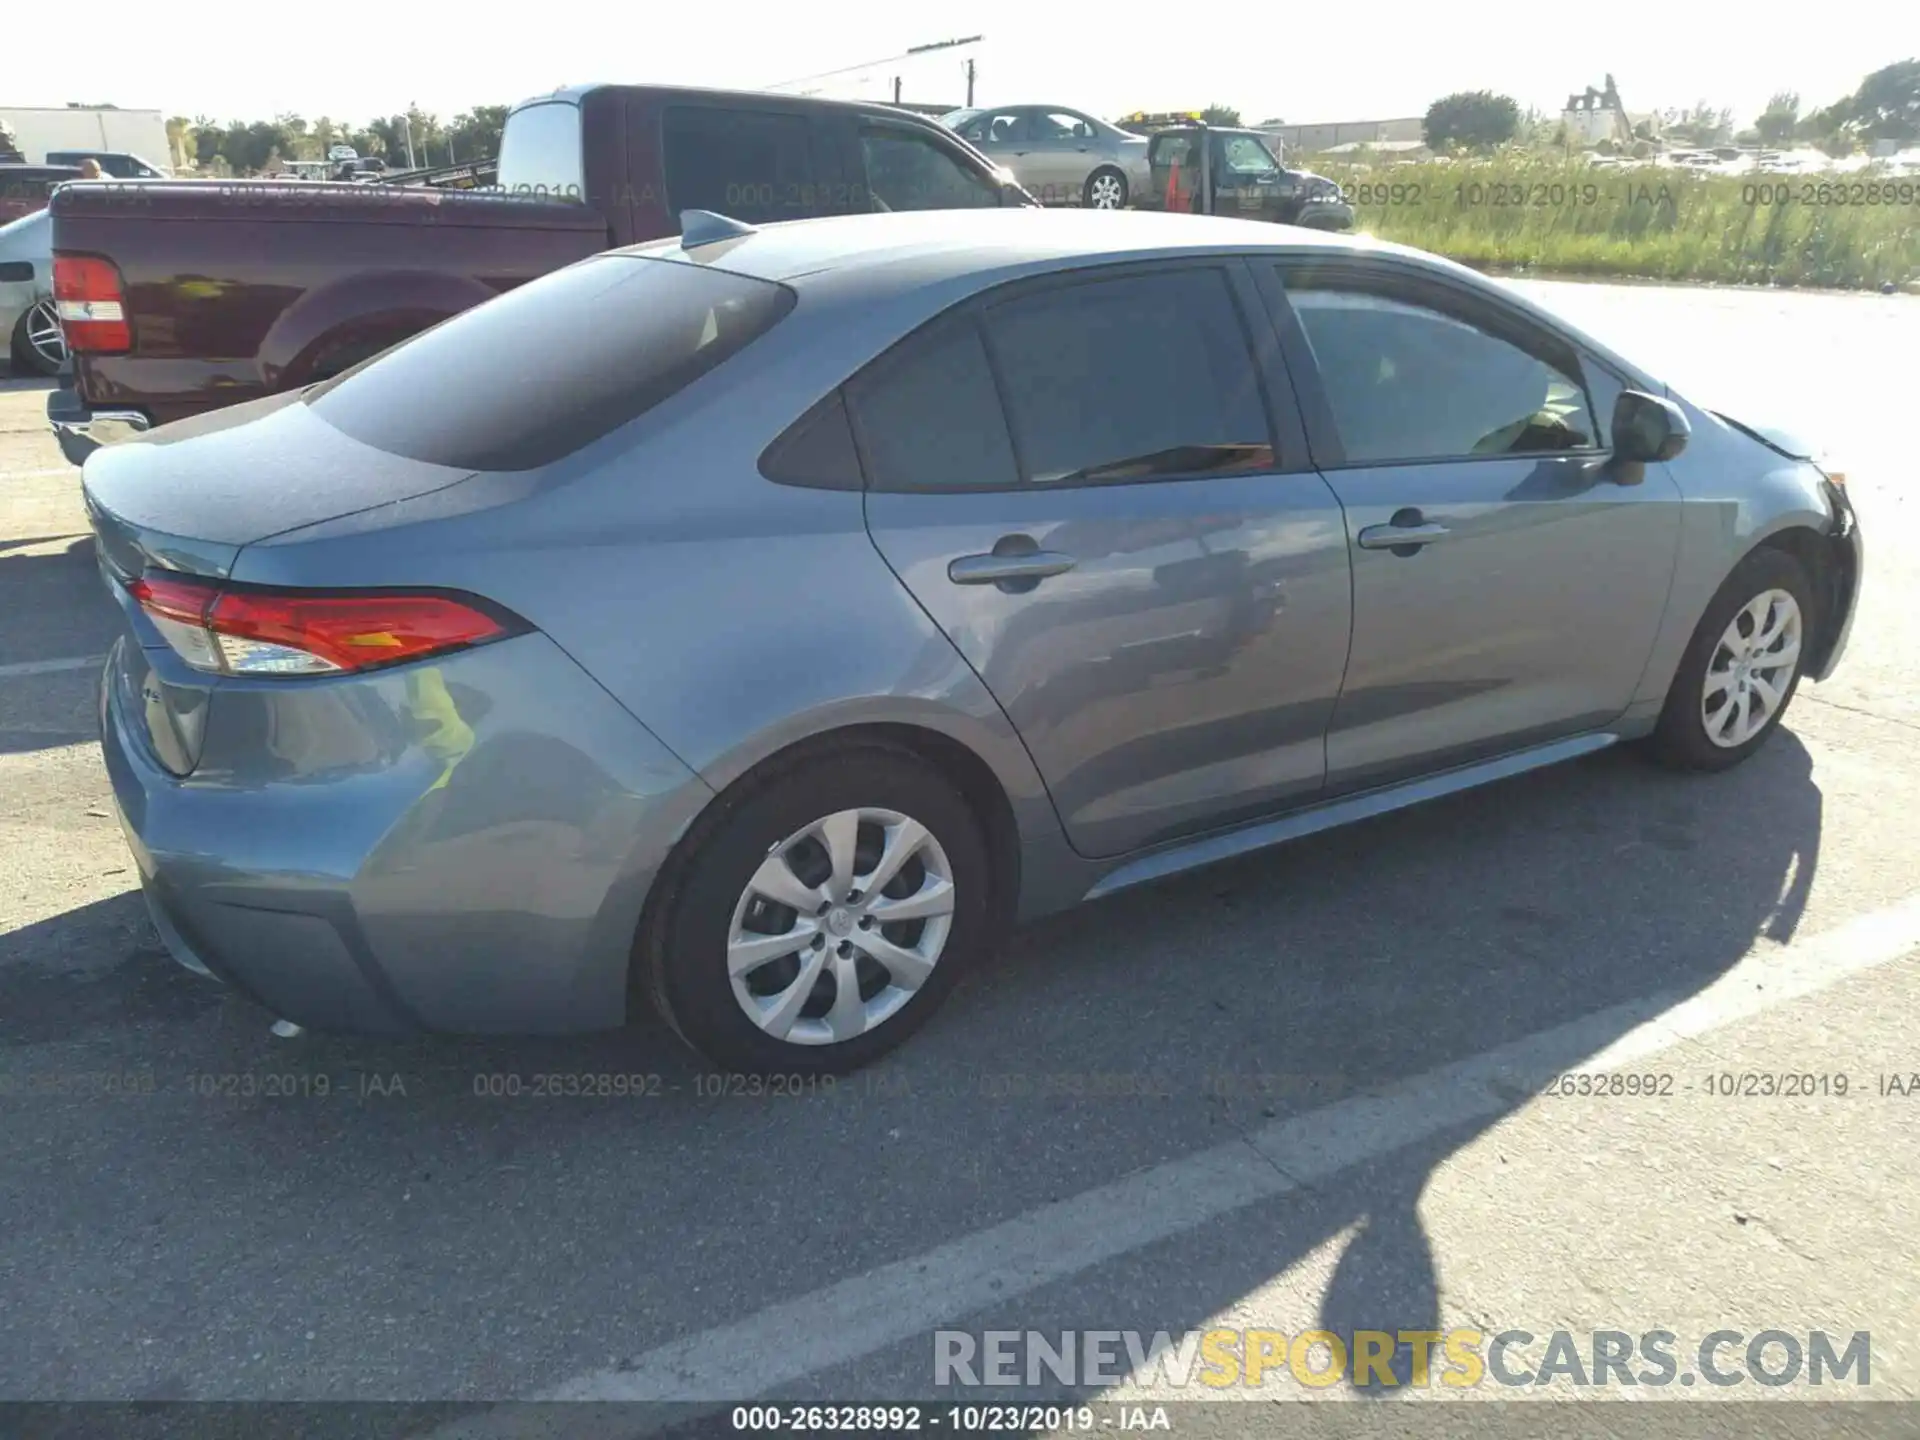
(840, 920)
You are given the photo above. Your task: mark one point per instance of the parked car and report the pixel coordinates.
(1061, 156)
(1220, 170)
(27, 188)
(252, 288)
(114, 164)
(759, 623)
(27, 319)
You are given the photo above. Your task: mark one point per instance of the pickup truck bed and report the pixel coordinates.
(312, 278)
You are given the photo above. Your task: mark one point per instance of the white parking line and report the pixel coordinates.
(50, 667)
(864, 1314)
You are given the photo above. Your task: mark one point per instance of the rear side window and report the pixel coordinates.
(907, 170)
(551, 366)
(928, 416)
(540, 152)
(1148, 377)
(752, 165)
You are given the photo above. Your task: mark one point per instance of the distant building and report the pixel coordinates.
(1315, 139)
(1385, 149)
(1597, 115)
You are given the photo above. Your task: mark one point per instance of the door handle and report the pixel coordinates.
(1002, 568)
(1408, 532)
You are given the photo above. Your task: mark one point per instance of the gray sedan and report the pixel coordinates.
(27, 319)
(756, 625)
(1060, 156)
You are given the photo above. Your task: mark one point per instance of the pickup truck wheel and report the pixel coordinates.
(1106, 189)
(38, 346)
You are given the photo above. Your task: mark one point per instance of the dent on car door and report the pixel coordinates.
(1148, 576)
(1509, 578)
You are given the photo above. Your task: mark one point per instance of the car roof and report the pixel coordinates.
(944, 244)
(574, 94)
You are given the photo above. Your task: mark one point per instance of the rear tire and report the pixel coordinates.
(37, 345)
(1741, 668)
(712, 953)
(1106, 189)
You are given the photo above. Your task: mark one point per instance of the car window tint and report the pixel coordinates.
(1059, 125)
(551, 365)
(1407, 382)
(929, 418)
(817, 450)
(752, 165)
(909, 171)
(1005, 127)
(1138, 378)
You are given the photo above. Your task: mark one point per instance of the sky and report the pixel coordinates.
(1301, 64)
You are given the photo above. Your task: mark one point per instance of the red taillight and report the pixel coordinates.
(93, 313)
(294, 632)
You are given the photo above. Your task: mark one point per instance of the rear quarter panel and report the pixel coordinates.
(238, 290)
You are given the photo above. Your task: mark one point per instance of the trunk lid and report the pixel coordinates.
(189, 496)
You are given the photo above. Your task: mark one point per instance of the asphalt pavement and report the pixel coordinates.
(1312, 1089)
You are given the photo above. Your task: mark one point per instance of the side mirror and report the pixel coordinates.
(1648, 429)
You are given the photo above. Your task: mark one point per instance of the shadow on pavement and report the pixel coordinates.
(510, 1241)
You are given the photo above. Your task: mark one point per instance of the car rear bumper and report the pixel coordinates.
(81, 431)
(462, 846)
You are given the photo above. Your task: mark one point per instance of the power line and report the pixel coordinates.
(885, 60)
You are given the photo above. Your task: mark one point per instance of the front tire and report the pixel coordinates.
(1741, 668)
(819, 918)
(1106, 189)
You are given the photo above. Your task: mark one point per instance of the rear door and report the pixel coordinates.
(1092, 485)
(1059, 154)
(1508, 577)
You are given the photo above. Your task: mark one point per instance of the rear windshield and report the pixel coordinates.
(552, 366)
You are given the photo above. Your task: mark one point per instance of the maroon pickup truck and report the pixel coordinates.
(178, 297)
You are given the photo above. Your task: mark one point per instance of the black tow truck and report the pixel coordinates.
(1203, 169)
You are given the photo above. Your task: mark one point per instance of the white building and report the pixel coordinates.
(132, 132)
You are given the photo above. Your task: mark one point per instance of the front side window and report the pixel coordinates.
(1409, 382)
(1244, 155)
(911, 171)
(752, 165)
(1138, 378)
(540, 153)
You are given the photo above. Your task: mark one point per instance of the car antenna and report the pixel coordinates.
(703, 227)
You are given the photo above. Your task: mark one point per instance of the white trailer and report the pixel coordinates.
(132, 132)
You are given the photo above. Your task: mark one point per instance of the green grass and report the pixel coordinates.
(1648, 221)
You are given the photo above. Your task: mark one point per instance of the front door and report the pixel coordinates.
(1508, 576)
(1152, 583)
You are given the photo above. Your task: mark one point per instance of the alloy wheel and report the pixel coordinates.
(44, 336)
(1751, 669)
(840, 926)
(1106, 192)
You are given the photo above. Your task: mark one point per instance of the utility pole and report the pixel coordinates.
(896, 89)
(969, 82)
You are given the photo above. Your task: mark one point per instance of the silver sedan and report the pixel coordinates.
(27, 319)
(1062, 156)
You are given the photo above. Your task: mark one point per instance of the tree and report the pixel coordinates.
(1777, 122)
(1472, 120)
(476, 134)
(1700, 124)
(1887, 104)
(1220, 115)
